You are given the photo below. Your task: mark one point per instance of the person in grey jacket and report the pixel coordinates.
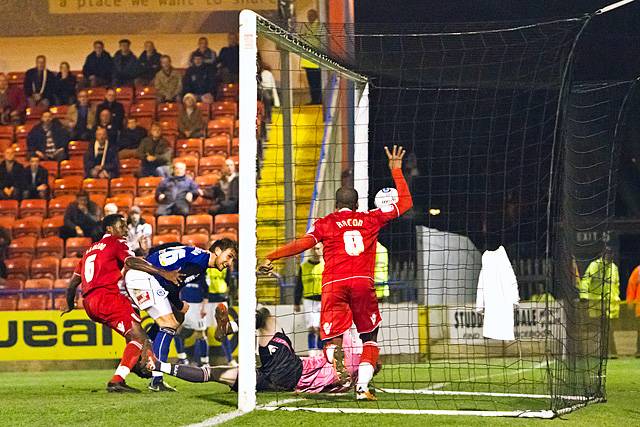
(176, 193)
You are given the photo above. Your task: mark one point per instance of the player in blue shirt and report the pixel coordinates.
(159, 297)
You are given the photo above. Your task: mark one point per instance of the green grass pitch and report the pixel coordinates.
(78, 398)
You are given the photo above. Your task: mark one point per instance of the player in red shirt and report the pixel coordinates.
(99, 272)
(348, 294)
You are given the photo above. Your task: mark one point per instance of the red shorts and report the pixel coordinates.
(111, 308)
(346, 302)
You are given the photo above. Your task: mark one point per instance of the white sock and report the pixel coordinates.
(204, 359)
(365, 374)
(156, 373)
(182, 355)
(329, 350)
(122, 371)
(234, 326)
(164, 367)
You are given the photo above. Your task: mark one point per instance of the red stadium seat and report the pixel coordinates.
(168, 110)
(51, 166)
(45, 267)
(61, 284)
(129, 166)
(224, 108)
(202, 223)
(170, 224)
(50, 246)
(67, 185)
(22, 247)
(27, 226)
(33, 207)
(122, 201)
(212, 164)
(205, 110)
(146, 93)
(151, 220)
(221, 125)
(59, 111)
(218, 145)
(229, 91)
(96, 185)
(144, 119)
(16, 78)
(124, 94)
(200, 206)
(160, 239)
(191, 162)
(226, 222)
(199, 240)
(18, 268)
(9, 302)
(189, 147)
(71, 167)
(225, 235)
(98, 199)
(67, 267)
(96, 94)
(77, 246)
(59, 204)
(22, 131)
(9, 208)
(145, 107)
(148, 185)
(78, 148)
(207, 180)
(51, 226)
(39, 283)
(12, 285)
(39, 302)
(124, 185)
(147, 204)
(7, 132)
(6, 222)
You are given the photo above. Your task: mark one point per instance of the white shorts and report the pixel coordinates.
(147, 294)
(193, 320)
(211, 313)
(311, 312)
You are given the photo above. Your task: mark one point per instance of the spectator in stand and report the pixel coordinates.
(139, 236)
(35, 180)
(155, 153)
(82, 219)
(109, 209)
(104, 121)
(48, 139)
(65, 85)
(226, 193)
(115, 108)
(267, 91)
(40, 85)
(101, 160)
(229, 60)
(98, 67)
(168, 81)
(5, 241)
(81, 118)
(11, 176)
(12, 103)
(314, 77)
(190, 123)
(129, 139)
(176, 193)
(199, 80)
(150, 62)
(126, 67)
(208, 55)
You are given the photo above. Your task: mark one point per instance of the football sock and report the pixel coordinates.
(187, 373)
(179, 343)
(312, 341)
(226, 347)
(368, 360)
(129, 358)
(161, 346)
(329, 349)
(203, 351)
(319, 343)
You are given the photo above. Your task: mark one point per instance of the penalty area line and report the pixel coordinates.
(228, 416)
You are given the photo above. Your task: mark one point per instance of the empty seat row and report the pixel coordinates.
(35, 302)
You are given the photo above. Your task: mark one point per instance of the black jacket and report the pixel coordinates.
(66, 90)
(150, 64)
(130, 138)
(13, 178)
(117, 112)
(99, 66)
(125, 68)
(37, 138)
(33, 83)
(29, 186)
(198, 80)
(111, 163)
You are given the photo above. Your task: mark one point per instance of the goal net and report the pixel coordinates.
(495, 158)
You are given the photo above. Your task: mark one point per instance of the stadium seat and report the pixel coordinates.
(168, 110)
(78, 148)
(199, 240)
(202, 223)
(144, 119)
(122, 201)
(236, 160)
(77, 246)
(12, 285)
(6, 222)
(151, 220)
(67, 267)
(22, 246)
(9, 302)
(9, 208)
(191, 162)
(225, 235)
(160, 239)
(5, 143)
(189, 147)
(33, 114)
(38, 302)
(67, 185)
(218, 144)
(27, 226)
(229, 91)
(207, 180)
(98, 199)
(146, 93)
(124, 94)
(59, 204)
(221, 125)
(18, 268)
(73, 166)
(22, 131)
(33, 207)
(129, 167)
(38, 283)
(45, 267)
(124, 185)
(60, 284)
(226, 222)
(59, 111)
(169, 126)
(7, 132)
(212, 164)
(96, 94)
(145, 107)
(224, 108)
(51, 166)
(235, 146)
(148, 185)
(200, 206)
(147, 204)
(50, 246)
(51, 226)
(170, 224)
(96, 185)
(205, 110)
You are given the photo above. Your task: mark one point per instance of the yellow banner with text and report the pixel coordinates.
(156, 6)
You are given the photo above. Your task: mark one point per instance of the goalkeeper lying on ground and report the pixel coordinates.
(281, 369)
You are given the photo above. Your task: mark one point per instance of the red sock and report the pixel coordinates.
(129, 359)
(370, 353)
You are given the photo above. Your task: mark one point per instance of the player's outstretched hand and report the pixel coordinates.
(265, 266)
(395, 156)
(173, 276)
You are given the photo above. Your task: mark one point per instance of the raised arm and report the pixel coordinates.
(136, 263)
(292, 248)
(395, 156)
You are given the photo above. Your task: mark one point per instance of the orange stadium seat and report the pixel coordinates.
(129, 166)
(199, 240)
(167, 110)
(124, 185)
(236, 160)
(38, 283)
(190, 161)
(50, 246)
(67, 185)
(218, 144)
(151, 220)
(22, 131)
(33, 114)
(225, 235)
(9, 207)
(200, 206)
(202, 223)
(189, 147)
(229, 91)
(18, 268)
(144, 119)
(170, 224)
(77, 246)
(60, 283)
(169, 125)
(145, 107)
(147, 204)
(7, 132)
(59, 111)
(73, 166)
(45, 267)
(205, 110)
(6, 222)
(160, 239)
(8, 302)
(124, 94)
(59, 204)
(96, 93)
(96, 185)
(226, 222)
(224, 108)
(12, 285)
(146, 93)
(207, 180)
(20, 148)
(148, 185)
(33, 207)
(27, 226)
(67, 267)
(221, 125)
(122, 201)
(51, 226)
(5, 143)
(51, 166)
(39, 302)
(212, 164)
(235, 146)
(78, 148)
(98, 199)
(22, 246)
